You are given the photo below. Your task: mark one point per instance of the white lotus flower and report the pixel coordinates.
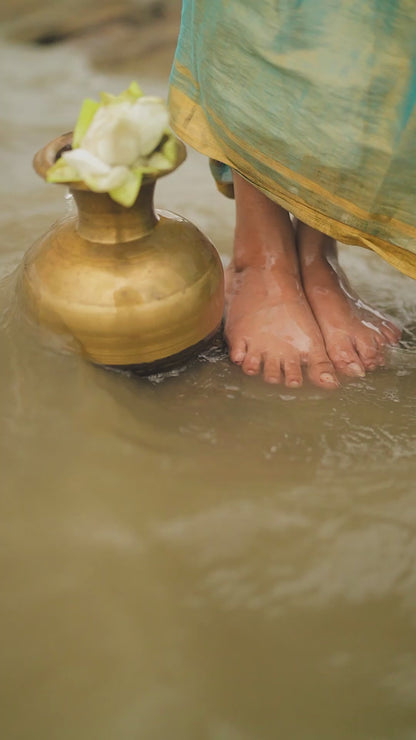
(115, 144)
(120, 133)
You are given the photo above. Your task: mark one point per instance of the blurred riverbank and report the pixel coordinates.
(109, 33)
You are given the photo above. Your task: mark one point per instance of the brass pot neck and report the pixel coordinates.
(102, 220)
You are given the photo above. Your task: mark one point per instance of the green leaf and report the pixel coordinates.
(130, 95)
(170, 149)
(135, 90)
(158, 162)
(107, 98)
(127, 193)
(87, 113)
(143, 170)
(61, 171)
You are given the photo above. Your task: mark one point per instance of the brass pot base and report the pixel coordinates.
(172, 362)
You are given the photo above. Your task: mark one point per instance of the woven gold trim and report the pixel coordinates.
(190, 124)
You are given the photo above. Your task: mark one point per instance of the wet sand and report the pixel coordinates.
(198, 556)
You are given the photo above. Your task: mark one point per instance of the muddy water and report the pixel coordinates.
(198, 556)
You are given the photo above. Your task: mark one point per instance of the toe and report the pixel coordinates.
(345, 358)
(391, 332)
(252, 363)
(380, 340)
(238, 351)
(272, 369)
(322, 373)
(370, 355)
(293, 372)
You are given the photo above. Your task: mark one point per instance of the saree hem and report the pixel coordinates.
(190, 123)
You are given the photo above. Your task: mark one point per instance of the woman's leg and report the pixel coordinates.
(269, 323)
(354, 333)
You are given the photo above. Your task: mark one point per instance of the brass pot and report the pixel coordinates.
(132, 286)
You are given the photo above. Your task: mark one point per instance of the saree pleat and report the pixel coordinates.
(313, 101)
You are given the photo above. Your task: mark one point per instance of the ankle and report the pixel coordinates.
(313, 263)
(274, 255)
(273, 264)
(314, 247)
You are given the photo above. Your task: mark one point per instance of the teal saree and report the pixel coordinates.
(313, 101)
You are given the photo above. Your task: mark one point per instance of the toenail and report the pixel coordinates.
(238, 357)
(294, 383)
(328, 378)
(357, 370)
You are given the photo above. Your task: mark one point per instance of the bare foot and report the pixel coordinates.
(269, 323)
(355, 334)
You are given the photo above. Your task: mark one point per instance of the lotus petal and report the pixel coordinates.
(96, 174)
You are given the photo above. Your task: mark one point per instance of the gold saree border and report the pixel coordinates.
(190, 123)
(296, 177)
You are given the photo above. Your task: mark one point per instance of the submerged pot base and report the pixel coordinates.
(173, 361)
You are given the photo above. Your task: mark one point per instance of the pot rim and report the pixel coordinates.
(47, 156)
